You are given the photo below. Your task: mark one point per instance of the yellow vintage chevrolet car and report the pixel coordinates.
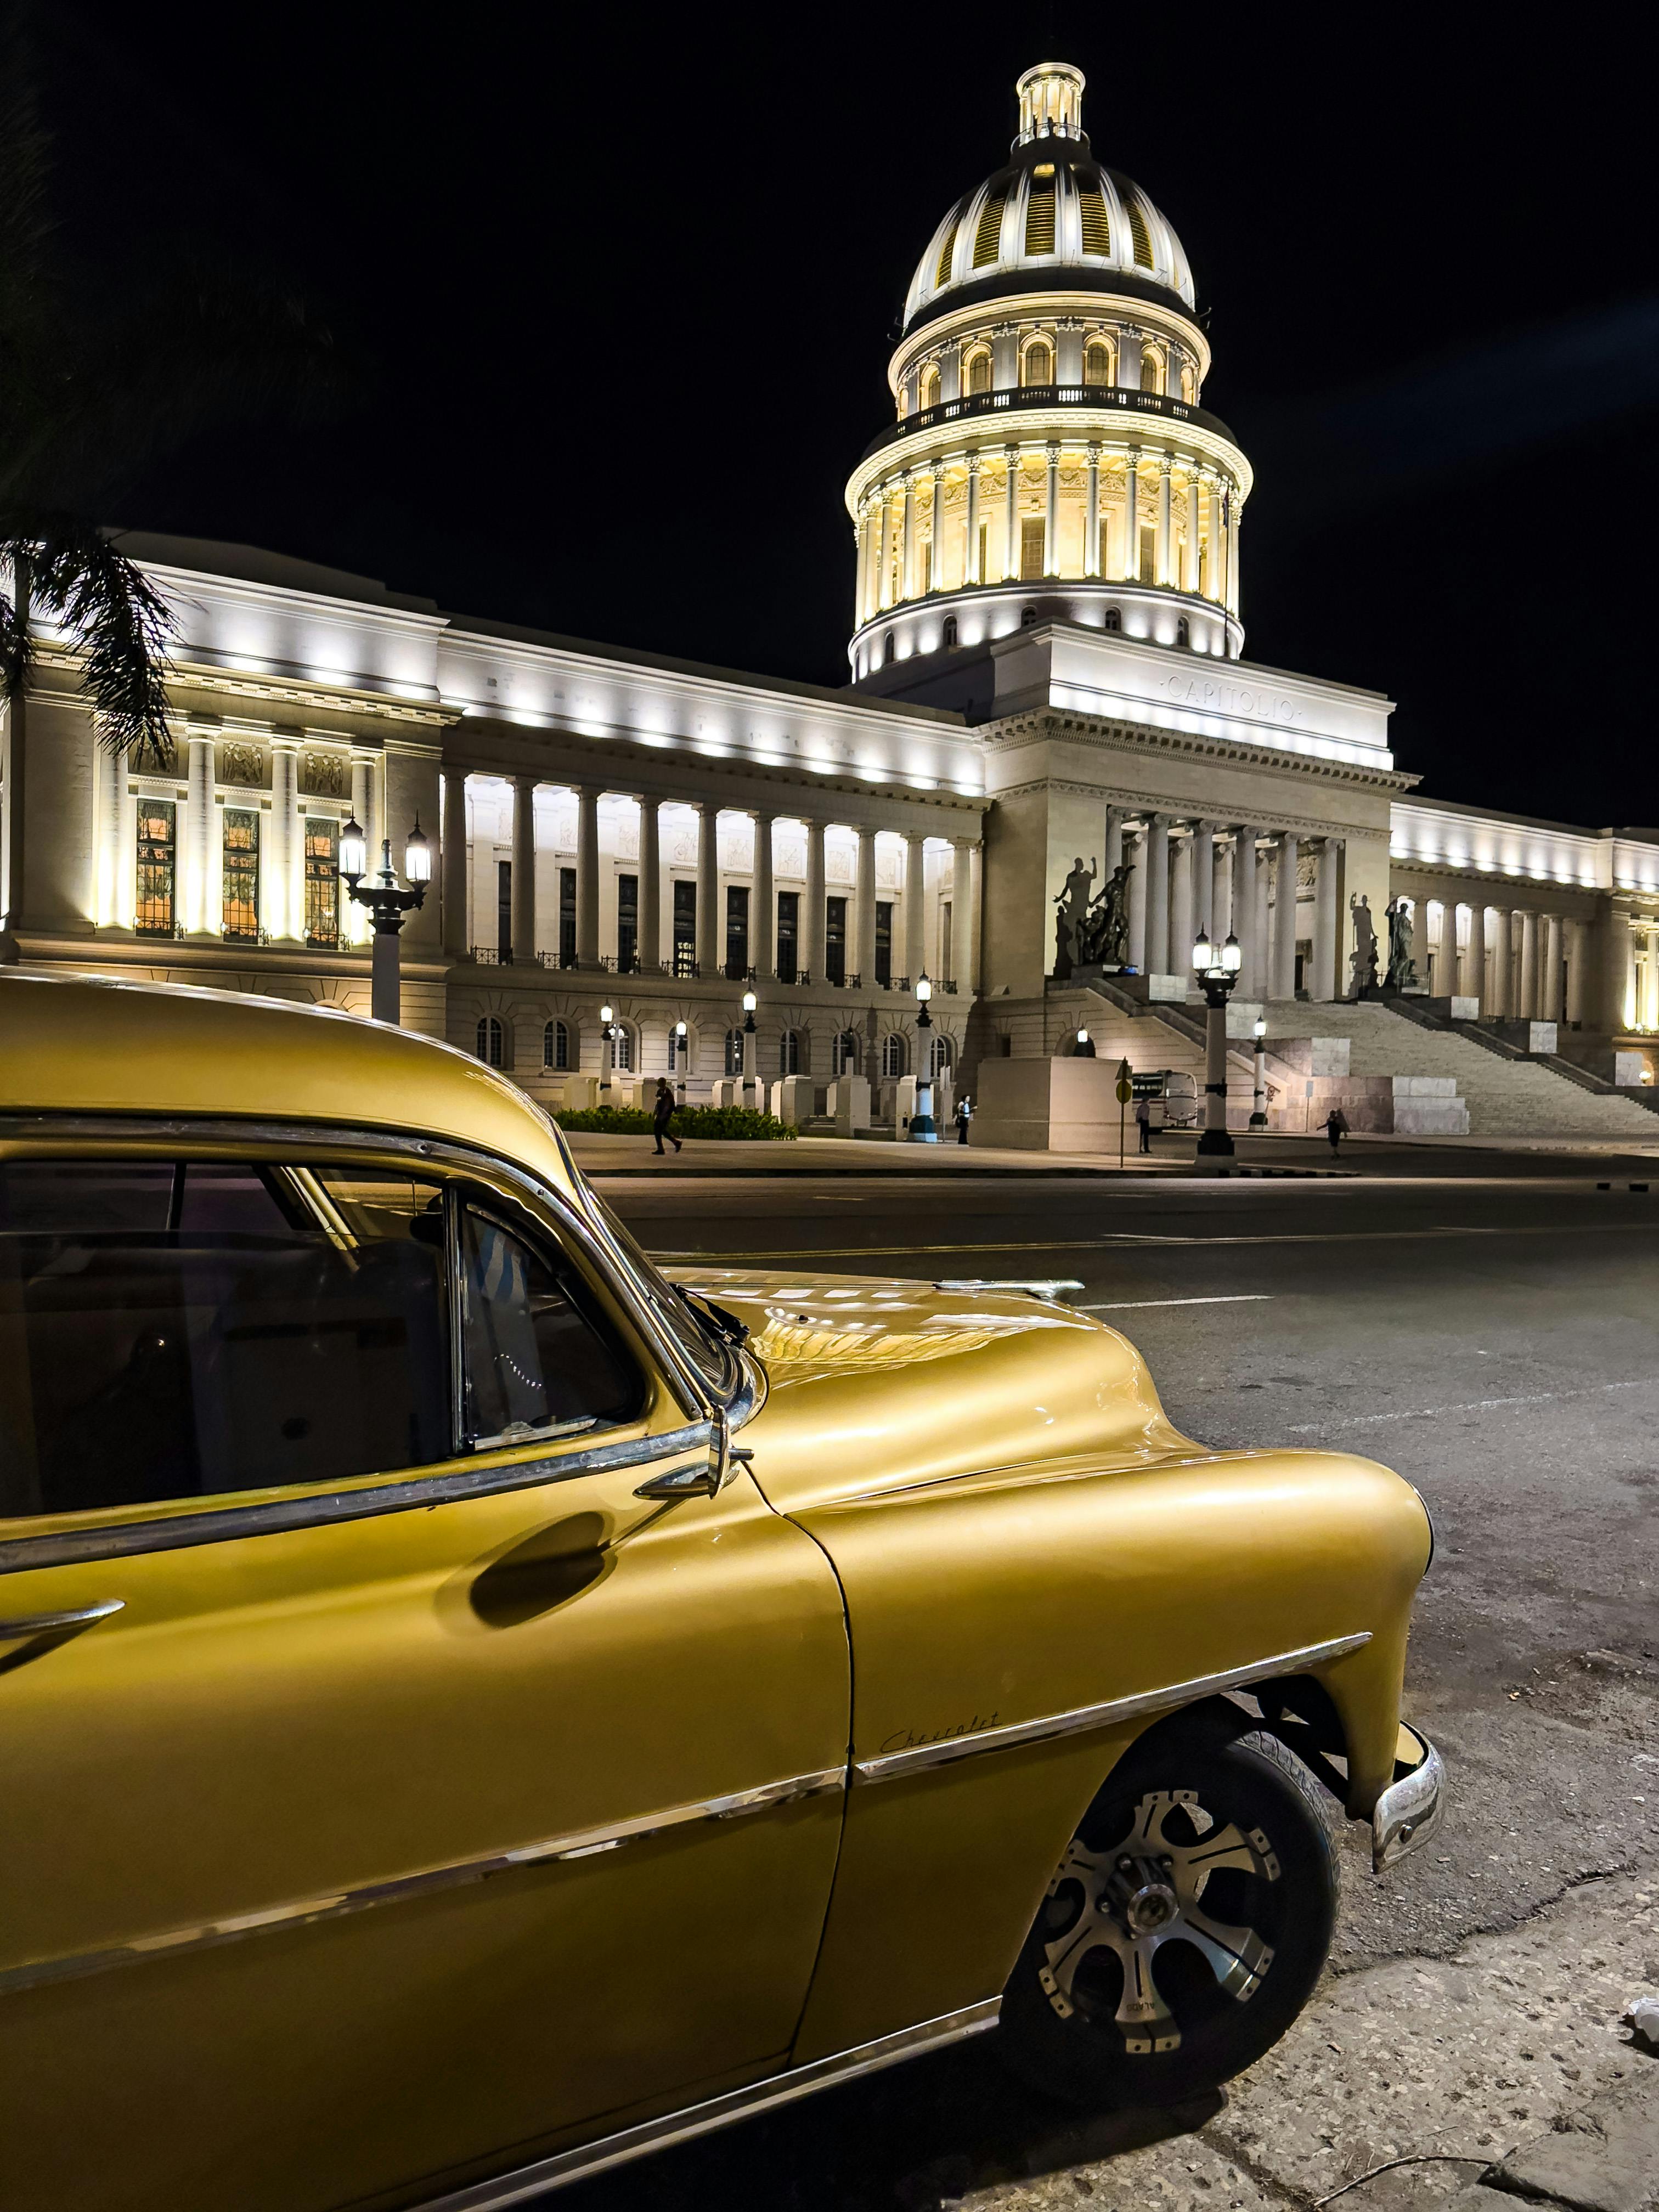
(474, 1709)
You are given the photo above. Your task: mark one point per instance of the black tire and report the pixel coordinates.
(1149, 1976)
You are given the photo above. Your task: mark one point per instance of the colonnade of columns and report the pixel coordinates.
(1520, 964)
(909, 545)
(959, 952)
(1187, 875)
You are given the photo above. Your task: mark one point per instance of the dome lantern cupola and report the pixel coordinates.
(1050, 459)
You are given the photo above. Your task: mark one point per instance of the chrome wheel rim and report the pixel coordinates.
(1142, 1892)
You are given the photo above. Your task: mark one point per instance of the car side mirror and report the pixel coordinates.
(702, 1479)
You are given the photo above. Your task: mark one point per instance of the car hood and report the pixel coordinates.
(876, 1384)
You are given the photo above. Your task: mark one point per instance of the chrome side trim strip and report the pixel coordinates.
(223, 1524)
(719, 2113)
(915, 1757)
(1054, 1288)
(584, 1843)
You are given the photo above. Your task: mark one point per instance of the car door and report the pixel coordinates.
(391, 1787)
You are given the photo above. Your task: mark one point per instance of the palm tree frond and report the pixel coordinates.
(120, 622)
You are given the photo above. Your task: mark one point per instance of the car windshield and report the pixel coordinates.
(708, 1344)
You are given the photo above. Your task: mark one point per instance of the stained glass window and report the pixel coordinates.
(158, 846)
(240, 906)
(322, 881)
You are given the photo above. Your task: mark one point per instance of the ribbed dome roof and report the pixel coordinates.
(1052, 206)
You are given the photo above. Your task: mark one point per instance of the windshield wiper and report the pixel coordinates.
(726, 1326)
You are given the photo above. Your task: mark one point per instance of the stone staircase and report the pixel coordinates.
(1505, 1097)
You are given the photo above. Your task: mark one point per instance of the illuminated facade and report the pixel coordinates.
(1046, 673)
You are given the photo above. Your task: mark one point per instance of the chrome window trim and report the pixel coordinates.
(581, 1843)
(889, 1766)
(693, 2120)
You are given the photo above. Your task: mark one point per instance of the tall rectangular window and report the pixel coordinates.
(504, 911)
(884, 942)
(240, 874)
(158, 849)
(945, 967)
(685, 927)
(322, 881)
(834, 940)
(566, 917)
(789, 935)
(628, 922)
(737, 931)
(984, 575)
(1033, 532)
(1148, 554)
(926, 564)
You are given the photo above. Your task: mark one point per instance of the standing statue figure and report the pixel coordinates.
(1073, 902)
(1106, 929)
(1402, 969)
(1363, 959)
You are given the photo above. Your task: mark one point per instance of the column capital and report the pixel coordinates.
(973, 462)
(1165, 464)
(1094, 452)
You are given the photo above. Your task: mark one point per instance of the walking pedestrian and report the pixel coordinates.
(662, 1113)
(1336, 1127)
(964, 1115)
(1144, 1122)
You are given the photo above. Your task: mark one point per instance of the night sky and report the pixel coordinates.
(617, 293)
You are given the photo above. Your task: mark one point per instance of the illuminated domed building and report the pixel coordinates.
(1046, 687)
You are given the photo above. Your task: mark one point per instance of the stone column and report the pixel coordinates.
(650, 884)
(963, 856)
(1011, 541)
(1195, 496)
(1051, 514)
(1243, 915)
(1180, 908)
(915, 907)
(864, 962)
(812, 958)
(1221, 885)
(281, 888)
(1326, 948)
(970, 543)
(884, 553)
(908, 554)
(1157, 894)
(1161, 563)
(1528, 1008)
(112, 842)
(588, 876)
(1629, 1013)
(524, 870)
(763, 905)
(1136, 853)
(1289, 849)
(1577, 934)
(1092, 517)
(936, 531)
(1550, 998)
(1203, 862)
(710, 952)
(1231, 533)
(1500, 962)
(451, 861)
(976, 916)
(201, 910)
(1113, 848)
(1129, 567)
(1190, 555)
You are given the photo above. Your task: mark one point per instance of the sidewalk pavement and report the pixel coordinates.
(818, 1156)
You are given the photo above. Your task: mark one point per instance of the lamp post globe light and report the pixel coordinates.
(924, 1130)
(1085, 1047)
(1259, 1103)
(387, 901)
(1216, 969)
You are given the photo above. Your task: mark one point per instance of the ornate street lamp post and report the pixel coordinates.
(607, 1031)
(681, 1047)
(1216, 970)
(1259, 1103)
(923, 1129)
(749, 1078)
(387, 901)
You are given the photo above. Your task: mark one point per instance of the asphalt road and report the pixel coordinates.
(1494, 1336)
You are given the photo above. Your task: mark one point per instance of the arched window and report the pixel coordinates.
(1097, 363)
(555, 1045)
(789, 1053)
(944, 1055)
(929, 387)
(1183, 630)
(622, 1047)
(679, 1050)
(1112, 619)
(1028, 617)
(1038, 364)
(1154, 374)
(948, 632)
(845, 1053)
(979, 372)
(1188, 383)
(734, 1052)
(490, 1041)
(892, 1054)
(888, 646)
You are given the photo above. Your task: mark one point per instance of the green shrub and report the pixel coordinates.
(688, 1122)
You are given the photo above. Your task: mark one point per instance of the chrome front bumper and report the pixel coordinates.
(1408, 1811)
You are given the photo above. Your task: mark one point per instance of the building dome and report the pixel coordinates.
(1052, 208)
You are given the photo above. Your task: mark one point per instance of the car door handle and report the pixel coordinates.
(52, 1624)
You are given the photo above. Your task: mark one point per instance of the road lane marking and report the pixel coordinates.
(1125, 1305)
(1473, 1405)
(1131, 1236)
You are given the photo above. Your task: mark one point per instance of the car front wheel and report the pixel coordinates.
(1184, 1929)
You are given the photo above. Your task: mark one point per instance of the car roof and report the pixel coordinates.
(92, 1044)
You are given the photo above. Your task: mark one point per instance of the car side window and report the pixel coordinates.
(535, 1356)
(173, 1329)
